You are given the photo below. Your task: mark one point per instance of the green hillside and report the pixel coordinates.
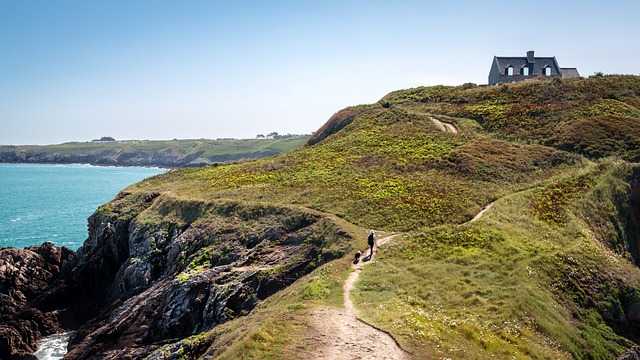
(166, 153)
(547, 273)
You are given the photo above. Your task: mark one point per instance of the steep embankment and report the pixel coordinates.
(166, 268)
(156, 268)
(169, 153)
(237, 260)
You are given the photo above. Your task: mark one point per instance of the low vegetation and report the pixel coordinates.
(390, 169)
(520, 283)
(547, 273)
(596, 117)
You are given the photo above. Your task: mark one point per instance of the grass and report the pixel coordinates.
(547, 273)
(596, 117)
(388, 169)
(516, 284)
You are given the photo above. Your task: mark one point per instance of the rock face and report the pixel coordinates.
(631, 354)
(171, 268)
(26, 278)
(155, 270)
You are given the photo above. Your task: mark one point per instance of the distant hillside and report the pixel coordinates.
(163, 153)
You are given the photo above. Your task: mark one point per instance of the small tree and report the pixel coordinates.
(385, 104)
(260, 136)
(104, 138)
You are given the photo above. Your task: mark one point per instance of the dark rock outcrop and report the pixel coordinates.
(27, 304)
(168, 269)
(155, 270)
(631, 354)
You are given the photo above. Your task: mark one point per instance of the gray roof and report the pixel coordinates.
(569, 73)
(519, 62)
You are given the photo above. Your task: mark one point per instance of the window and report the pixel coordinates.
(547, 71)
(524, 71)
(509, 71)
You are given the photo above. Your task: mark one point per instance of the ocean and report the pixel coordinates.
(41, 203)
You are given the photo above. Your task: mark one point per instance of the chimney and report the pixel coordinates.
(530, 57)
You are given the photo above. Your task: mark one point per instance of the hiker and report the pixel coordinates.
(371, 240)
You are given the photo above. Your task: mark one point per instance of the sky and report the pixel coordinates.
(79, 70)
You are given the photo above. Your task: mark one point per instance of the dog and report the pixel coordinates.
(356, 259)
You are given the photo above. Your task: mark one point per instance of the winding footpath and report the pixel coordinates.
(479, 215)
(341, 335)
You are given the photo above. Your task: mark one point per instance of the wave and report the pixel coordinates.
(53, 347)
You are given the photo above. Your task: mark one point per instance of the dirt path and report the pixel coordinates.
(443, 126)
(479, 215)
(339, 334)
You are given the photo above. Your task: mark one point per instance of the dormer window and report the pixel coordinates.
(547, 71)
(525, 70)
(509, 70)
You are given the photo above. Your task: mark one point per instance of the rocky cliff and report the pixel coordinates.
(29, 310)
(157, 269)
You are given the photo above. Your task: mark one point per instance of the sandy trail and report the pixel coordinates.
(443, 126)
(339, 334)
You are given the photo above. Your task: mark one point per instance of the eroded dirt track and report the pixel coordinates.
(443, 126)
(339, 334)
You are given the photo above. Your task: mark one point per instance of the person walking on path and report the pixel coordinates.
(371, 240)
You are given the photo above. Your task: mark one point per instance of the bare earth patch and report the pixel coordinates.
(443, 126)
(479, 215)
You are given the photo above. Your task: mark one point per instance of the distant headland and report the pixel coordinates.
(174, 153)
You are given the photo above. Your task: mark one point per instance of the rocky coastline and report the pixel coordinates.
(28, 299)
(155, 270)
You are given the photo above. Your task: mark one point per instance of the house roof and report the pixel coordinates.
(569, 73)
(519, 62)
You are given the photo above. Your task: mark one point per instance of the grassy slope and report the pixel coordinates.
(529, 280)
(388, 169)
(595, 117)
(206, 149)
(537, 278)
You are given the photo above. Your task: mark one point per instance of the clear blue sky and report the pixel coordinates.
(76, 70)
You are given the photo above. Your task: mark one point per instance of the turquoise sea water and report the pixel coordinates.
(41, 203)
